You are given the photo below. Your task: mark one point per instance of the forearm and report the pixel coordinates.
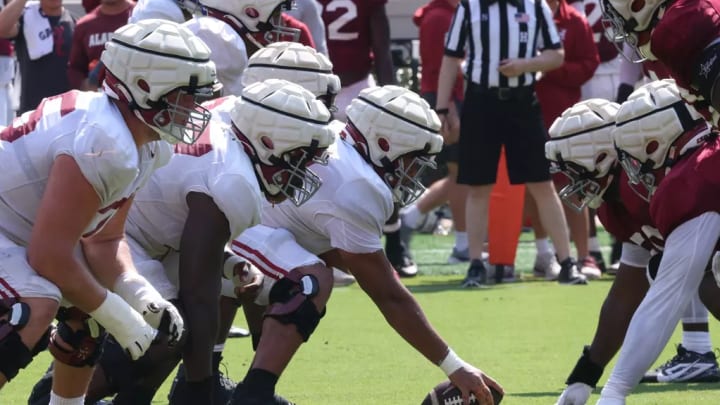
(446, 80)
(9, 16)
(404, 314)
(200, 304)
(75, 282)
(545, 61)
(108, 259)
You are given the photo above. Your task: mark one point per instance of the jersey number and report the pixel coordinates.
(343, 19)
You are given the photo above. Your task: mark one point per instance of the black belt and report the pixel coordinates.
(504, 93)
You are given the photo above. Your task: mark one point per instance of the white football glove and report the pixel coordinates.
(125, 325)
(163, 316)
(575, 394)
(145, 299)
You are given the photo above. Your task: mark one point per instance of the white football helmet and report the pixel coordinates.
(250, 17)
(654, 127)
(395, 131)
(630, 22)
(283, 128)
(295, 63)
(146, 62)
(581, 148)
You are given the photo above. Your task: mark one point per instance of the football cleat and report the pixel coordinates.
(476, 275)
(459, 256)
(590, 268)
(546, 265)
(598, 256)
(686, 366)
(342, 279)
(569, 273)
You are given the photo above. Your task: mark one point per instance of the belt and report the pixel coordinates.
(504, 93)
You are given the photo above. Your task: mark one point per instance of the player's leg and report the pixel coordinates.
(625, 295)
(688, 250)
(296, 303)
(28, 304)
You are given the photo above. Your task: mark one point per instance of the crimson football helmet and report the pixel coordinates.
(630, 22)
(654, 128)
(154, 66)
(397, 133)
(283, 129)
(258, 21)
(581, 148)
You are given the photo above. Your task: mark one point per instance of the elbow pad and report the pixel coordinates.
(707, 70)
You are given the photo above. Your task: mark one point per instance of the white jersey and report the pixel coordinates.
(215, 165)
(347, 212)
(228, 51)
(228, 48)
(161, 9)
(86, 126)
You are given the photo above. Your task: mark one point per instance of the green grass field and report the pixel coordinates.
(527, 335)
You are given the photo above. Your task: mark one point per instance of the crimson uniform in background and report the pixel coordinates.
(90, 5)
(559, 89)
(91, 33)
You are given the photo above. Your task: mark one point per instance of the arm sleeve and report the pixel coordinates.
(310, 15)
(456, 36)
(105, 165)
(549, 37)
(230, 55)
(78, 62)
(356, 223)
(238, 200)
(581, 57)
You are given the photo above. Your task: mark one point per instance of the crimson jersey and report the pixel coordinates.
(627, 218)
(91, 33)
(655, 70)
(593, 13)
(347, 28)
(691, 188)
(686, 28)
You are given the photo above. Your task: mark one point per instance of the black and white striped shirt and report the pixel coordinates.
(494, 30)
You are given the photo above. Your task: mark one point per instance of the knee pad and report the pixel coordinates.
(13, 352)
(86, 343)
(290, 302)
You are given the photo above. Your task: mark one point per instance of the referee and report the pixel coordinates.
(508, 41)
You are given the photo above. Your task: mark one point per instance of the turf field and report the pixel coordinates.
(527, 335)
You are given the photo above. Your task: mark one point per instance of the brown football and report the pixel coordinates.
(447, 394)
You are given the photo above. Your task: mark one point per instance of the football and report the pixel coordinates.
(447, 394)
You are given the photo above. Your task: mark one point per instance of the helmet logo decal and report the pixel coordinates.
(252, 12)
(267, 142)
(143, 85)
(637, 5)
(383, 144)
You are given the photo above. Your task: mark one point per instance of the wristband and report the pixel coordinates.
(442, 111)
(451, 363)
(229, 266)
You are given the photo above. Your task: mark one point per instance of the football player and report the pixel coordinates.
(683, 34)
(390, 138)
(583, 148)
(655, 131)
(256, 148)
(72, 169)
(226, 27)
